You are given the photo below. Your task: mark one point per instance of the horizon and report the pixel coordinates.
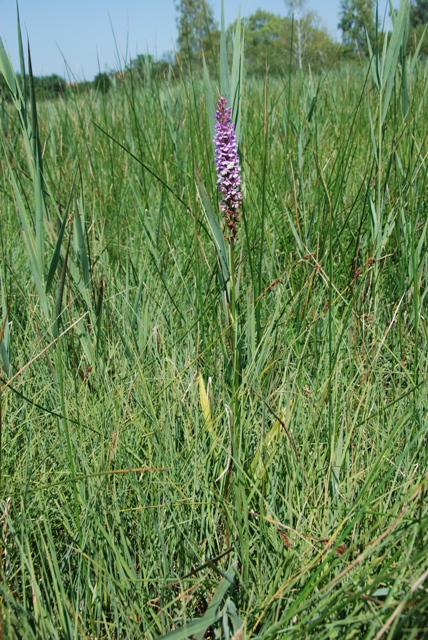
(109, 36)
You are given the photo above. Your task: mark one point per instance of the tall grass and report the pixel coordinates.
(117, 520)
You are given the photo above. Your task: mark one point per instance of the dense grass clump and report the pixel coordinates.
(161, 467)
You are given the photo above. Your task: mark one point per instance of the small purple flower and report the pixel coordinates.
(228, 169)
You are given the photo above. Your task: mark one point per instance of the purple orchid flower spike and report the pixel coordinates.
(228, 169)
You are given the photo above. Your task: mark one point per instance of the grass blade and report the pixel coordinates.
(217, 234)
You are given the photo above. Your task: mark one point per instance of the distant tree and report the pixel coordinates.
(296, 11)
(268, 43)
(145, 66)
(197, 31)
(418, 13)
(311, 43)
(357, 20)
(142, 66)
(141, 61)
(46, 87)
(318, 48)
(102, 82)
(418, 22)
(267, 38)
(264, 37)
(4, 88)
(49, 86)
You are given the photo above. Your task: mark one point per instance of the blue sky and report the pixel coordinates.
(85, 36)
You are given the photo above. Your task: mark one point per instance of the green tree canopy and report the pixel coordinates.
(296, 11)
(270, 41)
(197, 31)
(418, 22)
(357, 20)
(266, 37)
(102, 82)
(419, 13)
(147, 68)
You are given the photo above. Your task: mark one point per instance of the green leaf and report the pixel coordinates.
(382, 592)
(237, 78)
(414, 59)
(7, 71)
(212, 615)
(30, 245)
(205, 406)
(397, 41)
(60, 292)
(268, 449)
(57, 252)
(39, 201)
(199, 626)
(21, 54)
(209, 97)
(4, 331)
(81, 247)
(213, 608)
(224, 66)
(222, 253)
(375, 226)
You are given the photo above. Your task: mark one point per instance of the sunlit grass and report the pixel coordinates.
(114, 520)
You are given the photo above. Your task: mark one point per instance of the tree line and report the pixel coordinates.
(273, 44)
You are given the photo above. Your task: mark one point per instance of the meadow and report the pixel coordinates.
(168, 468)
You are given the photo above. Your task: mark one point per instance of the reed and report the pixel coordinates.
(121, 346)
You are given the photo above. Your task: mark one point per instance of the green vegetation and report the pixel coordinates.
(45, 87)
(357, 22)
(273, 46)
(102, 82)
(198, 34)
(170, 465)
